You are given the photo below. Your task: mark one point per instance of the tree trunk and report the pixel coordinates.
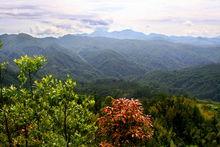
(30, 83)
(26, 135)
(65, 125)
(7, 130)
(1, 86)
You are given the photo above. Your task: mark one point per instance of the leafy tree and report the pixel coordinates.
(7, 117)
(68, 112)
(28, 66)
(26, 107)
(1, 44)
(125, 123)
(3, 66)
(51, 113)
(179, 121)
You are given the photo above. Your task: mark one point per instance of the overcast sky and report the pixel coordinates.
(60, 17)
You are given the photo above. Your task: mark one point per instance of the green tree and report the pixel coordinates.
(179, 121)
(69, 113)
(7, 117)
(27, 67)
(50, 113)
(3, 66)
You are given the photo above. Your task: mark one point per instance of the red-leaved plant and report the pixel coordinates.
(124, 123)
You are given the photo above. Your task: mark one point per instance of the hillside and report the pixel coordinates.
(202, 82)
(89, 57)
(60, 60)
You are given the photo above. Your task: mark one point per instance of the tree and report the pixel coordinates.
(3, 66)
(1, 44)
(28, 66)
(125, 123)
(7, 117)
(49, 113)
(69, 113)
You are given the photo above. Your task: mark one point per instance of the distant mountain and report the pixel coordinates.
(130, 34)
(124, 34)
(148, 55)
(87, 57)
(202, 82)
(60, 60)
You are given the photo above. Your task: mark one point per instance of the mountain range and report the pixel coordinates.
(124, 54)
(130, 34)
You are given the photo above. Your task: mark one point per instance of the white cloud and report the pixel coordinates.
(172, 17)
(188, 23)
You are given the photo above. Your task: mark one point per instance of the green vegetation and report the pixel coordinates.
(87, 58)
(46, 111)
(90, 58)
(201, 82)
(181, 121)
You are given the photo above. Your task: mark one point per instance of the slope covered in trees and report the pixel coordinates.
(49, 112)
(90, 58)
(46, 111)
(87, 58)
(201, 82)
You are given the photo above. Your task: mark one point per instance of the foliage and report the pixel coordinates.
(69, 113)
(50, 113)
(179, 121)
(29, 65)
(201, 82)
(103, 88)
(53, 112)
(125, 123)
(1, 44)
(3, 66)
(87, 58)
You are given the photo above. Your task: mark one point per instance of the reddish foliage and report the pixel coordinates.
(106, 144)
(125, 123)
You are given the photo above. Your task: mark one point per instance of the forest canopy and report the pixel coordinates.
(48, 111)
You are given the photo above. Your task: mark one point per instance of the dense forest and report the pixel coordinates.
(43, 110)
(202, 82)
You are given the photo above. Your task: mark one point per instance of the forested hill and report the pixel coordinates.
(202, 82)
(90, 57)
(124, 94)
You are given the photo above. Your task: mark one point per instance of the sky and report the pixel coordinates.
(60, 17)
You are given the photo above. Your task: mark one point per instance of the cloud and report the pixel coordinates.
(188, 23)
(65, 26)
(94, 22)
(22, 12)
(171, 17)
(47, 32)
(39, 31)
(13, 7)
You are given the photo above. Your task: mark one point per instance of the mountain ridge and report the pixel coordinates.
(131, 34)
(123, 57)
